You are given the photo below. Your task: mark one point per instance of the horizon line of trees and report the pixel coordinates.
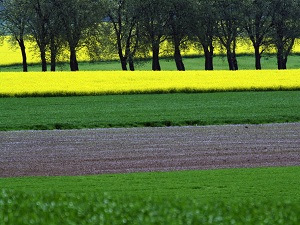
(131, 29)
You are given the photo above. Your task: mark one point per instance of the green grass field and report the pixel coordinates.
(149, 110)
(227, 196)
(246, 62)
(278, 183)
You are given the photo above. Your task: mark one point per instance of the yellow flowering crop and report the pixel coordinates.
(11, 54)
(120, 82)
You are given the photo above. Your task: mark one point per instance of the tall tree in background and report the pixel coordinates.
(179, 22)
(56, 42)
(257, 22)
(229, 23)
(14, 13)
(39, 15)
(285, 21)
(154, 21)
(203, 28)
(123, 16)
(76, 17)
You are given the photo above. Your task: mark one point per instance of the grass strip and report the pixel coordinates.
(52, 208)
(228, 196)
(276, 183)
(149, 110)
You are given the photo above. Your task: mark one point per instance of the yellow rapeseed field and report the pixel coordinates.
(12, 55)
(120, 82)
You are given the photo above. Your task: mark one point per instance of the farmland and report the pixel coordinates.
(69, 208)
(63, 100)
(239, 196)
(104, 146)
(230, 196)
(149, 110)
(116, 82)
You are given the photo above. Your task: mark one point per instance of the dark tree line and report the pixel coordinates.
(131, 29)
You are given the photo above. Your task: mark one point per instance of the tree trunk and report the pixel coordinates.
(283, 51)
(208, 53)
(257, 57)
(236, 67)
(280, 59)
(155, 58)
(131, 66)
(179, 63)
(24, 56)
(53, 62)
(53, 55)
(123, 59)
(131, 63)
(44, 60)
(283, 62)
(123, 63)
(177, 55)
(232, 61)
(73, 60)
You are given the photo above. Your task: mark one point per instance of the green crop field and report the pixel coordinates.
(149, 110)
(228, 196)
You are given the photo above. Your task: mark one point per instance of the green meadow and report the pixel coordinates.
(149, 110)
(227, 196)
(234, 185)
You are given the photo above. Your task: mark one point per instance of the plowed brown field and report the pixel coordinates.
(122, 150)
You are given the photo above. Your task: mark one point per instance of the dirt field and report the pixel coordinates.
(98, 151)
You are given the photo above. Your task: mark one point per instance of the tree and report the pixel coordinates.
(179, 22)
(39, 15)
(285, 21)
(153, 23)
(203, 28)
(77, 17)
(123, 16)
(258, 25)
(14, 13)
(56, 42)
(229, 23)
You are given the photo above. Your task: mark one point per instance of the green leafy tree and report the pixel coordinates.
(14, 14)
(56, 42)
(286, 28)
(179, 22)
(76, 17)
(257, 22)
(123, 17)
(229, 24)
(38, 26)
(203, 28)
(153, 24)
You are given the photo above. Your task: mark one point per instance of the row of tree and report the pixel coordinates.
(132, 29)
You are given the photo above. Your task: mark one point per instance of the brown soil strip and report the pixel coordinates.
(122, 150)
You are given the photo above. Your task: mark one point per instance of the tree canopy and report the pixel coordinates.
(131, 29)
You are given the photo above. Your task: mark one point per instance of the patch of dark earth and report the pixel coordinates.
(126, 150)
